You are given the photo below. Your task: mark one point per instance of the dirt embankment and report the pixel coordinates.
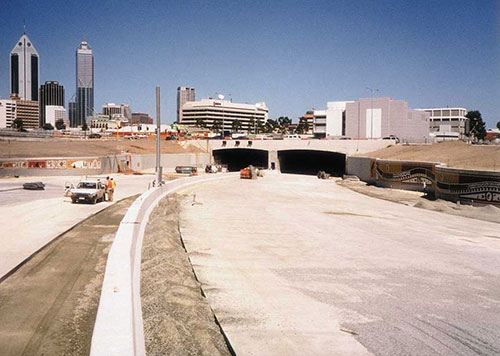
(66, 147)
(453, 153)
(178, 320)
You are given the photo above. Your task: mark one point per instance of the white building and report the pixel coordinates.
(111, 109)
(448, 123)
(206, 112)
(53, 113)
(331, 122)
(7, 113)
(24, 70)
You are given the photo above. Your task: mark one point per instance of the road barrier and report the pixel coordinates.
(118, 328)
(447, 183)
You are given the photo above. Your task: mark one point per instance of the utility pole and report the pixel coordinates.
(371, 110)
(158, 170)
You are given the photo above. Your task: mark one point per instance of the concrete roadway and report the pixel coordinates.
(31, 219)
(293, 265)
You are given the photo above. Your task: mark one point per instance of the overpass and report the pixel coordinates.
(290, 156)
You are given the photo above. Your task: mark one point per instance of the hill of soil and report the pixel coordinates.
(453, 153)
(66, 147)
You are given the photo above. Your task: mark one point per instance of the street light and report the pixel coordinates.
(372, 90)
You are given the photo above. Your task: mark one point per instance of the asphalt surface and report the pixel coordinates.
(48, 306)
(293, 265)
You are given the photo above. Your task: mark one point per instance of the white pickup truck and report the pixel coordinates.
(92, 191)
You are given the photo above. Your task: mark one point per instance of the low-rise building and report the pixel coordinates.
(53, 113)
(111, 109)
(140, 118)
(7, 113)
(331, 122)
(223, 113)
(375, 118)
(448, 123)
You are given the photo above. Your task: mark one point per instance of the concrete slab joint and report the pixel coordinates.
(118, 327)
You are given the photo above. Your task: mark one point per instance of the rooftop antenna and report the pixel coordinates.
(24, 26)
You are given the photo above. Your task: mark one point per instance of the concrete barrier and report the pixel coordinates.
(362, 167)
(118, 327)
(169, 161)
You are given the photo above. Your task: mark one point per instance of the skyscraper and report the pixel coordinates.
(184, 94)
(84, 84)
(51, 93)
(24, 69)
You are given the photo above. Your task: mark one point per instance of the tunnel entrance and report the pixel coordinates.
(311, 162)
(238, 158)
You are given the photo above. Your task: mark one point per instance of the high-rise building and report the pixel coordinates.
(24, 69)
(84, 84)
(51, 93)
(72, 114)
(184, 95)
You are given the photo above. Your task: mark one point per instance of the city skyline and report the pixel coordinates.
(298, 57)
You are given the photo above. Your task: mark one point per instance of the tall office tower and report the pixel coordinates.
(84, 84)
(51, 93)
(24, 69)
(72, 114)
(184, 94)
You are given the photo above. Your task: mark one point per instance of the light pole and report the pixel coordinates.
(372, 90)
(158, 181)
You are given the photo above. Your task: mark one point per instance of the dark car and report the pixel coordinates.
(94, 135)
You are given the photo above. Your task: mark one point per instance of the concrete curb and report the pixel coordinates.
(118, 328)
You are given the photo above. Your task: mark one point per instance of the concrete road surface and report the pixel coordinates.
(293, 265)
(31, 219)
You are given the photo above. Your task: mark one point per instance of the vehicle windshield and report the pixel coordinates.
(87, 185)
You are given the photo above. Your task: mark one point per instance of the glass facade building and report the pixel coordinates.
(84, 85)
(51, 93)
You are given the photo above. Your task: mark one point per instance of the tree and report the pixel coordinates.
(217, 125)
(60, 124)
(303, 126)
(283, 123)
(85, 127)
(48, 126)
(18, 124)
(260, 127)
(498, 125)
(270, 126)
(251, 125)
(200, 123)
(236, 125)
(476, 124)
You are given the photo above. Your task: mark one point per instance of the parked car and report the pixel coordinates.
(391, 137)
(186, 170)
(91, 191)
(94, 135)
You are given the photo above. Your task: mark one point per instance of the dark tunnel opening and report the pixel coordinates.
(239, 158)
(311, 162)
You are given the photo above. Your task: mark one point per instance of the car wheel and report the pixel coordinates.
(73, 201)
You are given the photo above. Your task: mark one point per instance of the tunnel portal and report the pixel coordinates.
(238, 158)
(311, 162)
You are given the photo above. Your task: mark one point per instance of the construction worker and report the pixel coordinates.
(114, 184)
(109, 189)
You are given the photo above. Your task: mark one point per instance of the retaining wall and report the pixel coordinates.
(430, 177)
(62, 166)
(118, 327)
(169, 161)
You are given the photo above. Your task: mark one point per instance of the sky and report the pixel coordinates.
(293, 55)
